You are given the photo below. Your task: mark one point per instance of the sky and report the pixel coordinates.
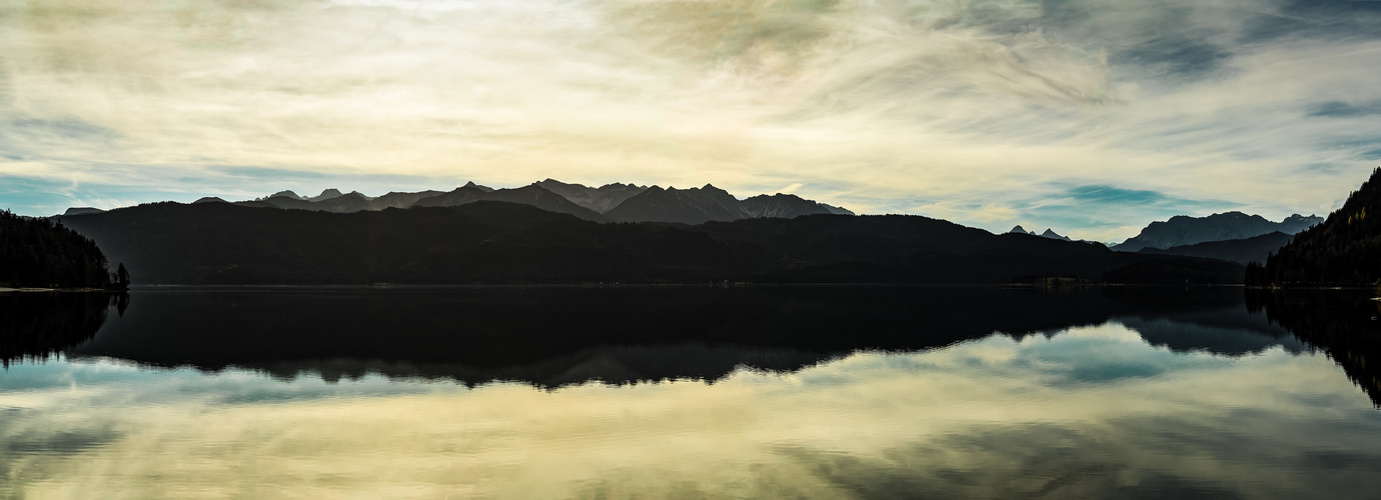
(1092, 117)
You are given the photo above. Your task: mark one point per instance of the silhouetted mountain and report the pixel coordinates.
(1254, 249)
(1182, 230)
(326, 195)
(786, 206)
(1344, 250)
(1049, 233)
(82, 210)
(600, 199)
(532, 195)
(36, 252)
(686, 206)
(456, 197)
(340, 203)
(709, 203)
(495, 242)
(401, 200)
(209, 199)
(479, 187)
(287, 194)
(1052, 235)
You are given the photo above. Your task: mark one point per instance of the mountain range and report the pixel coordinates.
(608, 203)
(1049, 233)
(489, 242)
(1183, 230)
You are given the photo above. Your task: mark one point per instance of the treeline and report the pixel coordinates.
(41, 253)
(1345, 250)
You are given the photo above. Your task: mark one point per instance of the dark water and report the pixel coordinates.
(818, 392)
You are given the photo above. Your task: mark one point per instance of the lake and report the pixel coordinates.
(690, 392)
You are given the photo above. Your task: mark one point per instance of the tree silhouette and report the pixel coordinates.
(38, 253)
(1342, 250)
(122, 277)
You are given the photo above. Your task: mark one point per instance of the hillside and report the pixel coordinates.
(40, 253)
(1242, 251)
(1344, 250)
(498, 242)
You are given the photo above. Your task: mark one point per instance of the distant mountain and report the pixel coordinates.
(1183, 230)
(1254, 249)
(1049, 233)
(533, 195)
(785, 206)
(601, 199)
(82, 210)
(286, 194)
(326, 195)
(486, 241)
(1344, 250)
(709, 203)
(328, 202)
(687, 206)
(206, 199)
(1052, 235)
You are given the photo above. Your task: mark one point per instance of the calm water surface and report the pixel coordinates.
(829, 392)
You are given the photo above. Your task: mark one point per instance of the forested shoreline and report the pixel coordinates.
(40, 253)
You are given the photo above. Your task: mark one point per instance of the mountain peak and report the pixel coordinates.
(1020, 230)
(486, 189)
(327, 194)
(287, 194)
(82, 210)
(1050, 233)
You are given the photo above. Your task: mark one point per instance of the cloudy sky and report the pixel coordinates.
(1093, 117)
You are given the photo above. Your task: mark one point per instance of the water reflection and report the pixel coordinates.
(551, 337)
(855, 393)
(36, 326)
(1346, 325)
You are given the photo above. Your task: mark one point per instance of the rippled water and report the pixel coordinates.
(688, 393)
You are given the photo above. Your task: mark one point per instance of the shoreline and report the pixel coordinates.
(26, 290)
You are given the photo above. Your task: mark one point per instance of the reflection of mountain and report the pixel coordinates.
(34, 326)
(1342, 323)
(555, 336)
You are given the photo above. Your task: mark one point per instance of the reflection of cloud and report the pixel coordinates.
(995, 415)
(866, 104)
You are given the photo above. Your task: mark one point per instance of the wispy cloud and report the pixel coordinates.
(879, 106)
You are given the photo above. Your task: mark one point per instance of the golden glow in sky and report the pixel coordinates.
(1090, 117)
